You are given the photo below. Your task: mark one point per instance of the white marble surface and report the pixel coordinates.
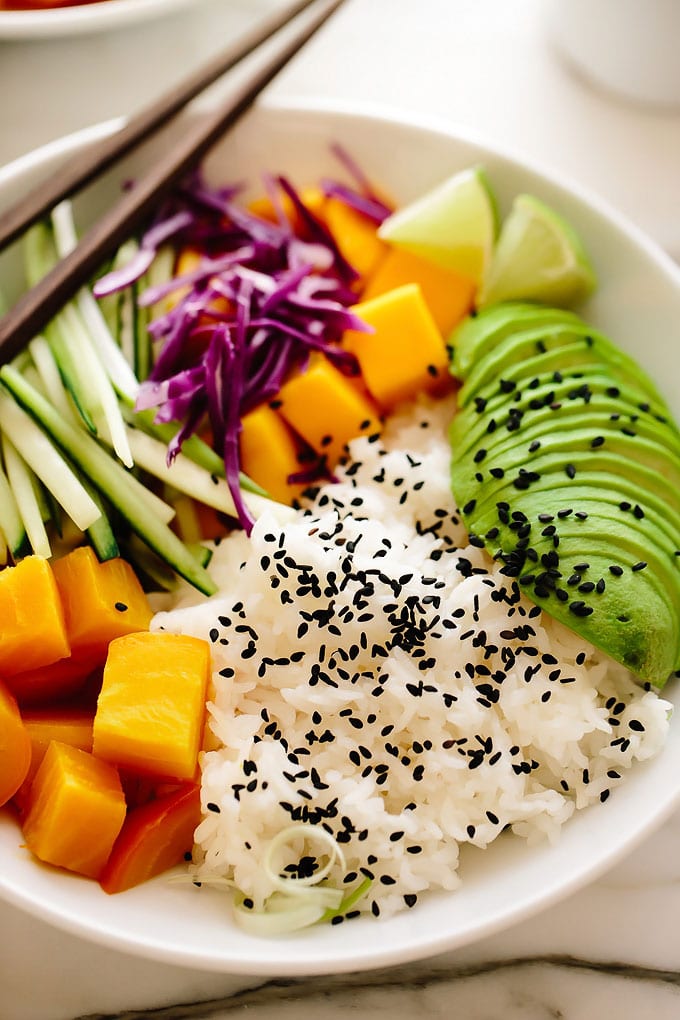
(612, 949)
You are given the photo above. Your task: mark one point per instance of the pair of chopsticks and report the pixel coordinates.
(39, 305)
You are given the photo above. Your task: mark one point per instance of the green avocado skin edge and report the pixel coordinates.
(566, 468)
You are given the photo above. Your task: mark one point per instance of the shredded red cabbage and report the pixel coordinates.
(259, 303)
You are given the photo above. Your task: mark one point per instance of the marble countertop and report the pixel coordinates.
(614, 947)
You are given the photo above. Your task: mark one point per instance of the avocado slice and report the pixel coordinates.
(595, 390)
(564, 453)
(559, 502)
(575, 359)
(600, 418)
(479, 334)
(567, 351)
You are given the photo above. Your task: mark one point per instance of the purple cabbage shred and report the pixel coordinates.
(260, 303)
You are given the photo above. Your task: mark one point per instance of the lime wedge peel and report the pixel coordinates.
(538, 257)
(454, 224)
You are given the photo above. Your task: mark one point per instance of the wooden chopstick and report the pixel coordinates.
(36, 307)
(86, 166)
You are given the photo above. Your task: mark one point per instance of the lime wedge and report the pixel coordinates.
(539, 257)
(454, 225)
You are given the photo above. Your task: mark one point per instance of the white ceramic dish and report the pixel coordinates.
(638, 302)
(96, 17)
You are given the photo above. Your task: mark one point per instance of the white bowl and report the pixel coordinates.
(97, 17)
(638, 303)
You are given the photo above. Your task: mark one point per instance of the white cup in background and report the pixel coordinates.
(629, 47)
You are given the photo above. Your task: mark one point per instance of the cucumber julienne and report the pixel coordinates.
(110, 478)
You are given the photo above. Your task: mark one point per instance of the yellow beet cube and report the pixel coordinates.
(356, 236)
(269, 453)
(327, 409)
(406, 354)
(151, 708)
(75, 810)
(449, 295)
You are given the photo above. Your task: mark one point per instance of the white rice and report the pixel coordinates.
(426, 704)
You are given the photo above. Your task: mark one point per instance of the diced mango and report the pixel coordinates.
(356, 236)
(449, 295)
(327, 409)
(75, 810)
(102, 601)
(188, 260)
(56, 681)
(15, 747)
(406, 354)
(269, 453)
(151, 708)
(72, 726)
(31, 617)
(312, 197)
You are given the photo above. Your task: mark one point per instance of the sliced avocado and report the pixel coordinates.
(648, 442)
(565, 454)
(521, 357)
(599, 417)
(638, 526)
(597, 390)
(572, 360)
(480, 333)
(600, 577)
(592, 489)
(636, 624)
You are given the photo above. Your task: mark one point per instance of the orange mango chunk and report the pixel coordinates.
(56, 681)
(32, 618)
(269, 453)
(151, 707)
(15, 747)
(75, 810)
(406, 354)
(449, 295)
(356, 236)
(312, 197)
(327, 409)
(72, 726)
(102, 601)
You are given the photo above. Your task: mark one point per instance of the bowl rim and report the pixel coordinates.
(435, 942)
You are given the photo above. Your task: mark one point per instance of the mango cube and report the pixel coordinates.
(269, 453)
(102, 601)
(406, 353)
(151, 709)
(449, 295)
(327, 409)
(75, 810)
(313, 198)
(356, 236)
(33, 625)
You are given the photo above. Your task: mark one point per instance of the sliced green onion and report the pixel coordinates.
(282, 915)
(310, 833)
